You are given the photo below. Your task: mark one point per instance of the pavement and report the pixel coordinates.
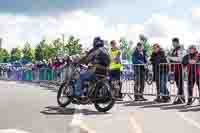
(29, 108)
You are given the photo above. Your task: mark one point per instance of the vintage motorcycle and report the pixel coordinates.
(97, 91)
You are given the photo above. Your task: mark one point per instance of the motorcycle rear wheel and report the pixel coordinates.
(109, 102)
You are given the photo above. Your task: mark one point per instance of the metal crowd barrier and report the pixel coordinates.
(43, 75)
(181, 81)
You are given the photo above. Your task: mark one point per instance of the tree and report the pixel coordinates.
(15, 54)
(124, 48)
(27, 52)
(39, 55)
(58, 47)
(73, 46)
(49, 51)
(4, 55)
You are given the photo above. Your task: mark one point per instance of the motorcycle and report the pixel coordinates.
(97, 91)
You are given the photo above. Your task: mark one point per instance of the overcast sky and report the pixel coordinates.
(160, 20)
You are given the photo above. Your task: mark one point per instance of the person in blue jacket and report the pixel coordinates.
(139, 60)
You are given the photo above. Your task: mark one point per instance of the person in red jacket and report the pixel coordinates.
(190, 61)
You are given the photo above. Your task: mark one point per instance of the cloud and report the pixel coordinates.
(161, 29)
(15, 30)
(41, 7)
(196, 13)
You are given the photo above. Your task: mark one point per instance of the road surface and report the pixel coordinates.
(33, 109)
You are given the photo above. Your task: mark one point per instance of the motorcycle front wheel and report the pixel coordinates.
(62, 96)
(107, 101)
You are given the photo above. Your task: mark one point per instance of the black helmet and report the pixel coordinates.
(98, 42)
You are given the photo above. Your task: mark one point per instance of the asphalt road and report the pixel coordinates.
(145, 117)
(30, 108)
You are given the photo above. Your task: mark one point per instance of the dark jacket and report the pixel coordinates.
(138, 58)
(100, 59)
(175, 60)
(193, 69)
(156, 60)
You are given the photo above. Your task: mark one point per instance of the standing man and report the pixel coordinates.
(139, 60)
(175, 58)
(191, 61)
(115, 68)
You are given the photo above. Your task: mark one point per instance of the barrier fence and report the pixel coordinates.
(163, 80)
(32, 75)
(173, 80)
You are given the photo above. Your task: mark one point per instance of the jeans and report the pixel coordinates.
(139, 81)
(179, 81)
(86, 76)
(191, 81)
(163, 84)
(115, 81)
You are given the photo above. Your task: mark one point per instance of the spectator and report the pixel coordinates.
(190, 61)
(139, 60)
(115, 68)
(50, 63)
(176, 57)
(160, 73)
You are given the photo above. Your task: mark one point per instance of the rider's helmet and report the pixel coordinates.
(98, 42)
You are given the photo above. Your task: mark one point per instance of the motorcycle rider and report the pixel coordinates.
(98, 59)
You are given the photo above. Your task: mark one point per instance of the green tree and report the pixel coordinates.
(49, 51)
(27, 52)
(4, 56)
(124, 48)
(73, 46)
(58, 47)
(15, 54)
(39, 53)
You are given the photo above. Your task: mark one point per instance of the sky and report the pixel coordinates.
(159, 20)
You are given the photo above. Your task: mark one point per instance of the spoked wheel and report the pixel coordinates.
(106, 101)
(63, 98)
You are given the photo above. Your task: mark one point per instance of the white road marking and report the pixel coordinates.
(86, 128)
(12, 131)
(77, 121)
(77, 117)
(189, 120)
(135, 125)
